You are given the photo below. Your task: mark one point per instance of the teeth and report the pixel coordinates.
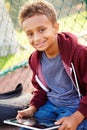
(40, 43)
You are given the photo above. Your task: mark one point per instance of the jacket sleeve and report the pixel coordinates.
(39, 95)
(81, 69)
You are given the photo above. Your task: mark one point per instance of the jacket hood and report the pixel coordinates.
(67, 44)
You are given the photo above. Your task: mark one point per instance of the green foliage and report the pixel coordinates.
(75, 23)
(22, 54)
(12, 60)
(13, 9)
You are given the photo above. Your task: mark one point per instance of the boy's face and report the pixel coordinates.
(41, 32)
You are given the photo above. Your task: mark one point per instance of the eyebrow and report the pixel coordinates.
(42, 26)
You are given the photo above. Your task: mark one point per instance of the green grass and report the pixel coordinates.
(11, 60)
(75, 23)
(20, 56)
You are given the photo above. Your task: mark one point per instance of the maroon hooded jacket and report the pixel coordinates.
(74, 59)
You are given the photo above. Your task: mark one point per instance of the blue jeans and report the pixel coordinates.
(50, 111)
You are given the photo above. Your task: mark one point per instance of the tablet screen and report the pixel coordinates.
(34, 123)
(37, 123)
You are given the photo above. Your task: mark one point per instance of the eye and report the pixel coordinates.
(30, 34)
(42, 30)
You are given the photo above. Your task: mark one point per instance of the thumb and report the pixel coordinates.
(59, 121)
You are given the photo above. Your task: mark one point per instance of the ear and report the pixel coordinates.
(56, 27)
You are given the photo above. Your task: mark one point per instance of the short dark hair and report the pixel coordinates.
(36, 8)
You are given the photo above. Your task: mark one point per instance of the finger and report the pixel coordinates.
(19, 112)
(59, 121)
(19, 116)
(22, 113)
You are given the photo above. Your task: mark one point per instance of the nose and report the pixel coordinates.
(36, 37)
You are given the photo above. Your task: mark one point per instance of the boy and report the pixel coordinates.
(59, 67)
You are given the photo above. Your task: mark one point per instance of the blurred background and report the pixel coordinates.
(14, 46)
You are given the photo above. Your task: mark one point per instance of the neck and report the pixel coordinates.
(54, 51)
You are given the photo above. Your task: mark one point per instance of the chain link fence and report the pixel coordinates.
(14, 47)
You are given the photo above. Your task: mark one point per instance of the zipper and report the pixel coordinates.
(77, 85)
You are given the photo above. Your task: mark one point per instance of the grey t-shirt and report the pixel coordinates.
(62, 92)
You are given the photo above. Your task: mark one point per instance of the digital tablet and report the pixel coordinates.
(32, 123)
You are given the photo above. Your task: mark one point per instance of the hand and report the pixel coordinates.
(26, 113)
(71, 122)
(67, 123)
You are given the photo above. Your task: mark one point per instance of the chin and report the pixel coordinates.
(41, 49)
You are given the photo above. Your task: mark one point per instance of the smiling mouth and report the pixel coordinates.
(40, 44)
